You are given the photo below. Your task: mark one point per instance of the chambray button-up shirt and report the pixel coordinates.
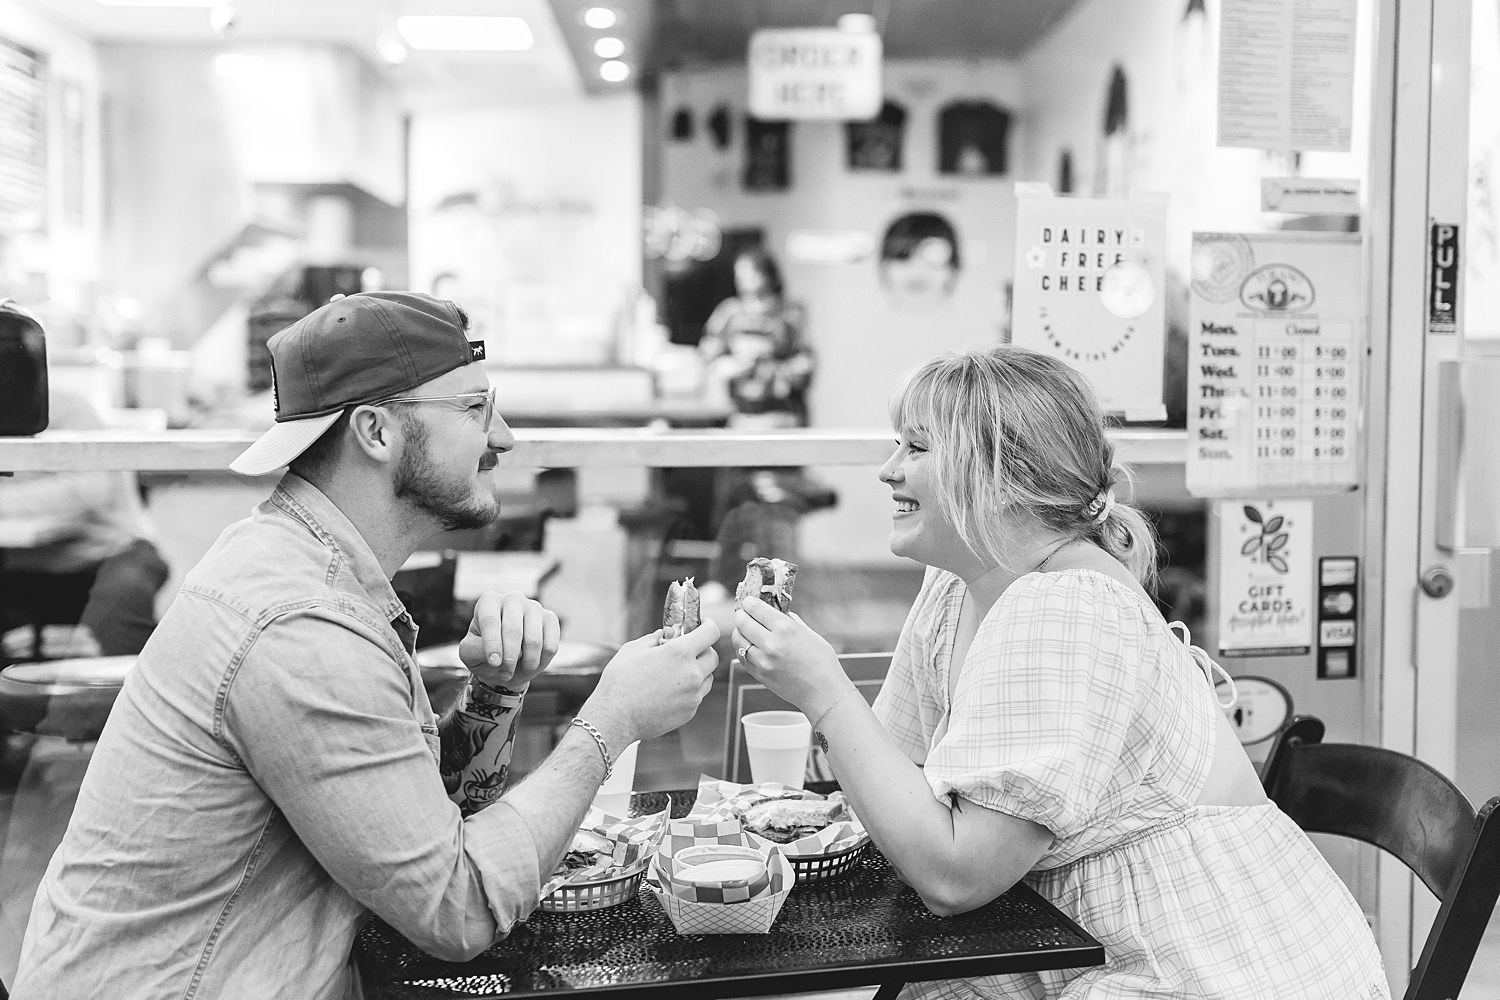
(266, 780)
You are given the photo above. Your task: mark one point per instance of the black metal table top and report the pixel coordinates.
(860, 928)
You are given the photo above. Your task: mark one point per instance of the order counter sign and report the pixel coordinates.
(1275, 360)
(814, 74)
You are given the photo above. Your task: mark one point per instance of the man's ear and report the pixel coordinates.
(376, 432)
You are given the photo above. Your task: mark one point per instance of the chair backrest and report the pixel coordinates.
(1406, 807)
(746, 694)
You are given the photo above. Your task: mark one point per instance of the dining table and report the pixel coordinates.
(863, 927)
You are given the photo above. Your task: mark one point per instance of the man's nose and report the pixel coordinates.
(501, 438)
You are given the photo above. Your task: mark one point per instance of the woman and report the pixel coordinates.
(1041, 721)
(754, 342)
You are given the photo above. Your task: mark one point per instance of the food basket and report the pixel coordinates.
(584, 896)
(818, 867)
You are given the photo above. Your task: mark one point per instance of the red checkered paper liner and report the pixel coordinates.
(634, 839)
(723, 801)
(752, 915)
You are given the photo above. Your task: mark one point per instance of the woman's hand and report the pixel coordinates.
(788, 657)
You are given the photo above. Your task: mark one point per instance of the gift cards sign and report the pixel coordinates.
(1265, 577)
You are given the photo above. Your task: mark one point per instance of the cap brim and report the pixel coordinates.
(282, 443)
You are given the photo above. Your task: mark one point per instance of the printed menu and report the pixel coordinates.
(1275, 359)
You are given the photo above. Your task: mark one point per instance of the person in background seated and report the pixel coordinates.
(272, 772)
(1042, 722)
(103, 571)
(754, 342)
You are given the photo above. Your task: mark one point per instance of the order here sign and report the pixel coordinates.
(818, 73)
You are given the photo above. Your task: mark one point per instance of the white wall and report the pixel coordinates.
(66, 254)
(864, 341)
(536, 211)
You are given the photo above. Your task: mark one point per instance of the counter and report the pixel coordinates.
(550, 448)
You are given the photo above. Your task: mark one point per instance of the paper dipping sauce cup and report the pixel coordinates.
(719, 874)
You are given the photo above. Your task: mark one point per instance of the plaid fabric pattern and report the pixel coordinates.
(1078, 709)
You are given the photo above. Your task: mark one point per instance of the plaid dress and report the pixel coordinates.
(1080, 710)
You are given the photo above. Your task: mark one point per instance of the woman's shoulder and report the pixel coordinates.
(1076, 592)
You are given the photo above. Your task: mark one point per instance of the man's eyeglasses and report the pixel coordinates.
(486, 396)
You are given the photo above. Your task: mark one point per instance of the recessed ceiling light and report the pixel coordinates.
(158, 3)
(465, 34)
(609, 47)
(614, 71)
(600, 18)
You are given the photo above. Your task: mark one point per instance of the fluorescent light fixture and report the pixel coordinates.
(609, 47)
(600, 18)
(614, 71)
(438, 32)
(158, 3)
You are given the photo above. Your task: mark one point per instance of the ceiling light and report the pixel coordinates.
(391, 48)
(614, 71)
(857, 24)
(158, 3)
(600, 18)
(465, 34)
(609, 47)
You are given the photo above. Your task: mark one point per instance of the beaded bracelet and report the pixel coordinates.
(588, 727)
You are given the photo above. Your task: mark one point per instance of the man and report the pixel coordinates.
(269, 776)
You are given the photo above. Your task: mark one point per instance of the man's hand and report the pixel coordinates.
(511, 639)
(653, 685)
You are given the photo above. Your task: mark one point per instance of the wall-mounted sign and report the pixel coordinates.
(1089, 284)
(814, 73)
(1265, 577)
(1275, 354)
(1442, 278)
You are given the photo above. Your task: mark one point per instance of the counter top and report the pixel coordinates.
(537, 447)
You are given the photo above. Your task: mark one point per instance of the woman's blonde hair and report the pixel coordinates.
(1010, 426)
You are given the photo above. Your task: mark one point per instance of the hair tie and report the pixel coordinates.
(1101, 506)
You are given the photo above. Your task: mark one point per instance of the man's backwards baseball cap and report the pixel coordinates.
(357, 349)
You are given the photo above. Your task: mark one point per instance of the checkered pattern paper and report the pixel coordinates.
(753, 915)
(634, 839)
(723, 801)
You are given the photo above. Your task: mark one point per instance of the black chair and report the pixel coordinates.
(1403, 806)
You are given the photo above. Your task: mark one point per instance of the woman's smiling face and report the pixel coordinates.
(919, 528)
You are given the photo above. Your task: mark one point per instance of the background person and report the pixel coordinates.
(1041, 721)
(103, 572)
(754, 342)
(269, 775)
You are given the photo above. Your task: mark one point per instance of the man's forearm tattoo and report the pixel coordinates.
(477, 746)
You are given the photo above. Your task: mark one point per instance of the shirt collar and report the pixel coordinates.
(310, 505)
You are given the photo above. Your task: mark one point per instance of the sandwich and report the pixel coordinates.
(784, 820)
(681, 613)
(769, 579)
(588, 850)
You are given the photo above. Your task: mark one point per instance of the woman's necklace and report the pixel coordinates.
(1055, 550)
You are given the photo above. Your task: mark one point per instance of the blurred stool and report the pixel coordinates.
(67, 698)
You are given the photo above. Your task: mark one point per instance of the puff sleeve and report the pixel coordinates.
(1041, 718)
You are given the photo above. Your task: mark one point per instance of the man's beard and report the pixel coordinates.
(452, 502)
